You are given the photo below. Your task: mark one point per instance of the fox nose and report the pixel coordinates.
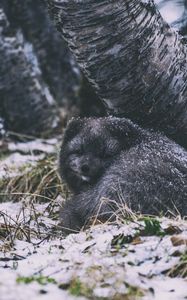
(85, 169)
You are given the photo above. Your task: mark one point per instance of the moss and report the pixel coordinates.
(77, 288)
(152, 227)
(120, 240)
(43, 280)
(3, 155)
(134, 292)
(180, 269)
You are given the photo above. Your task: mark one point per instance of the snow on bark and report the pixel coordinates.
(26, 103)
(57, 65)
(136, 63)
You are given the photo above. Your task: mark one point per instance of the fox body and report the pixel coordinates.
(115, 159)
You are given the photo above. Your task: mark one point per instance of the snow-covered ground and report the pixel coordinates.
(104, 262)
(23, 155)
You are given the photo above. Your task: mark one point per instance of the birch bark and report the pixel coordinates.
(136, 63)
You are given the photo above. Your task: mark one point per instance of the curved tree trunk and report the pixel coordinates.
(136, 63)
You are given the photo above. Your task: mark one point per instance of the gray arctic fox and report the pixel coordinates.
(113, 158)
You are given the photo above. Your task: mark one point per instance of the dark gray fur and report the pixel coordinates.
(127, 164)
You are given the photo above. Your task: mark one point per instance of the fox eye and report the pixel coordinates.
(101, 154)
(77, 152)
(104, 154)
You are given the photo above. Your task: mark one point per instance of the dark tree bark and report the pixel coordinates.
(89, 104)
(58, 67)
(135, 62)
(26, 104)
(43, 57)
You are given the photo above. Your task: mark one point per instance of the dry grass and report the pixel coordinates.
(41, 182)
(32, 222)
(38, 184)
(180, 269)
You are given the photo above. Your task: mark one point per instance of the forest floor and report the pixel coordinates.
(136, 258)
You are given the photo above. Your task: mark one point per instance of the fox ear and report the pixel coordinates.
(73, 127)
(125, 130)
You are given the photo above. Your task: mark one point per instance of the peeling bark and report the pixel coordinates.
(135, 62)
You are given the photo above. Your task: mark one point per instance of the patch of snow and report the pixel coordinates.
(90, 258)
(10, 165)
(47, 147)
(17, 163)
(171, 11)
